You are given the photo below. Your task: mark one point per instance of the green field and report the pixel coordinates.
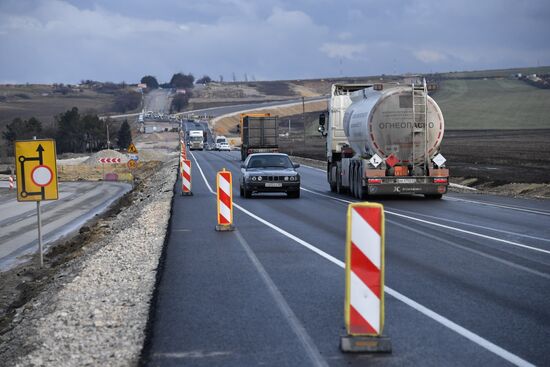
(497, 73)
(493, 104)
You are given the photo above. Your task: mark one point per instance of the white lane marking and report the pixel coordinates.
(478, 226)
(440, 225)
(462, 187)
(466, 248)
(471, 233)
(198, 354)
(313, 168)
(482, 342)
(539, 212)
(510, 357)
(202, 174)
(295, 324)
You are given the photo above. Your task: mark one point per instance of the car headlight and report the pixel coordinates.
(253, 178)
(259, 178)
(286, 178)
(291, 178)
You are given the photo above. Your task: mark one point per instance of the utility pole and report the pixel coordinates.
(304, 118)
(107, 126)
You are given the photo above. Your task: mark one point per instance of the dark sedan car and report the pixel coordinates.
(269, 172)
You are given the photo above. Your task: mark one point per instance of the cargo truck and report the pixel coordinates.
(384, 139)
(196, 140)
(259, 133)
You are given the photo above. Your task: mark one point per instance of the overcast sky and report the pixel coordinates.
(45, 41)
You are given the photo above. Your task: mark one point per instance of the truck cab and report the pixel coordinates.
(196, 140)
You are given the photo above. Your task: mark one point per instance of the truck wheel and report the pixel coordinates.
(433, 196)
(330, 182)
(357, 182)
(352, 180)
(339, 188)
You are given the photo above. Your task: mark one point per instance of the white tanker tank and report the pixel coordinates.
(382, 122)
(384, 139)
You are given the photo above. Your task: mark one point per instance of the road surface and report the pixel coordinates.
(78, 202)
(157, 100)
(467, 279)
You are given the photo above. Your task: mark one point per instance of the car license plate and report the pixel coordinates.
(273, 184)
(406, 180)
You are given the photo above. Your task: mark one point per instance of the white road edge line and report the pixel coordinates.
(482, 342)
(441, 225)
(284, 308)
(477, 226)
(539, 212)
(466, 248)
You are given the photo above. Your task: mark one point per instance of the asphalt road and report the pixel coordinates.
(467, 279)
(78, 202)
(157, 100)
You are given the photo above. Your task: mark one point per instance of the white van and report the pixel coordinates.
(221, 140)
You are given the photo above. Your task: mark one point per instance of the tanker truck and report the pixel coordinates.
(384, 139)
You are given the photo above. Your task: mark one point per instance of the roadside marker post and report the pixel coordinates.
(224, 200)
(11, 183)
(364, 306)
(36, 166)
(185, 177)
(183, 152)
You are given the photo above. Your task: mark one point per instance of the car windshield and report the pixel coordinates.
(277, 161)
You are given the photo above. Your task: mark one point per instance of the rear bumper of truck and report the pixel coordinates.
(407, 185)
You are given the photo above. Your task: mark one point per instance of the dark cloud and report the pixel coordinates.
(66, 41)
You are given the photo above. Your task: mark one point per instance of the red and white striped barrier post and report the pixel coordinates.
(364, 307)
(183, 149)
(12, 185)
(225, 201)
(186, 177)
(183, 153)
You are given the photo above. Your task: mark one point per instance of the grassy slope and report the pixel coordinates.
(493, 104)
(46, 107)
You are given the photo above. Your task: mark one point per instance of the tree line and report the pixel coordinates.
(73, 132)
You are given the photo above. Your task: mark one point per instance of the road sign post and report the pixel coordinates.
(364, 305)
(35, 163)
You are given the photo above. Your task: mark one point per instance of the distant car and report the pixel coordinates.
(269, 172)
(224, 146)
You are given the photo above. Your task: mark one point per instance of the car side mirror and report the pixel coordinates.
(296, 165)
(243, 165)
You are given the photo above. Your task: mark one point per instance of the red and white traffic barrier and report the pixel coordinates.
(109, 160)
(183, 149)
(364, 306)
(12, 185)
(224, 183)
(186, 177)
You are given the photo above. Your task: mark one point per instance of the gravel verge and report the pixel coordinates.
(96, 309)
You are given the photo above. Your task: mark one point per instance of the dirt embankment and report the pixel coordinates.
(227, 125)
